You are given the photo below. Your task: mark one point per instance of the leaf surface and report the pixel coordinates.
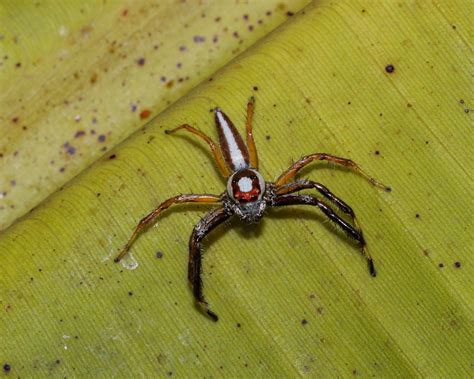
(293, 295)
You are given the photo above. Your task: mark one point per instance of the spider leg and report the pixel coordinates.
(221, 165)
(150, 218)
(250, 140)
(203, 227)
(290, 173)
(323, 190)
(352, 231)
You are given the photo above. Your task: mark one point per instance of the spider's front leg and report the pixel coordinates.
(203, 227)
(350, 230)
(323, 190)
(149, 219)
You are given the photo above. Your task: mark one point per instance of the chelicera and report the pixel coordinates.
(248, 195)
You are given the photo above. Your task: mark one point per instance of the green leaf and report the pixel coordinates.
(293, 295)
(79, 77)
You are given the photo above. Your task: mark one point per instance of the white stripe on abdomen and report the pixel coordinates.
(236, 154)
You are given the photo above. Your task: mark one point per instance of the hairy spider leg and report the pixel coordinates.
(295, 167)
(149, 219)
(202, 228)
(250, 140)
(323, 190)
(350, 230)
(221, 164)
(232, 145)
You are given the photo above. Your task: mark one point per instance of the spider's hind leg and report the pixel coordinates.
(216, 152)
(249, 131)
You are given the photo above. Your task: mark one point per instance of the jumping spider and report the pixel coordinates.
(247, 194)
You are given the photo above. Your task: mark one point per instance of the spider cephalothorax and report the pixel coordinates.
(245, 195)
(248, 195)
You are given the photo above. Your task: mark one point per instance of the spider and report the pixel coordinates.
(248, 195)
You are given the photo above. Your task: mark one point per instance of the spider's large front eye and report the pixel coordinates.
(246, 186)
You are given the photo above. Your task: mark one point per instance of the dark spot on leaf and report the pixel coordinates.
(390, 68)
(457, 264)
(170, 84)
(441, 265)
(377, 152)
(101, 138)
(7, 367)
(199, 39)
(113, 156)
(304, 322)
(289, 14)
(130, 293)
(417, 215)
(79, 133)
(255, 88)
(159, 254)
(141, 61)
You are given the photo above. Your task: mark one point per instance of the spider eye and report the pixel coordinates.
(246, 186)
